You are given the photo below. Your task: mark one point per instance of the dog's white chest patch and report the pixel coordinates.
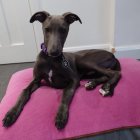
(50, 75)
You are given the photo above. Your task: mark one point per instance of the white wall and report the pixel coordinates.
(127, 22)
(127, 28)
(106, 24)
(95, 15)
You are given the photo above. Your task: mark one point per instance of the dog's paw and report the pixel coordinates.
(10, 117)
(61, 118)
(106, 90)
(90, 85)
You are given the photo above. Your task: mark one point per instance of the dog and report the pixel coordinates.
(63, 70)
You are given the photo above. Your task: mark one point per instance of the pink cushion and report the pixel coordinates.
(90, 113)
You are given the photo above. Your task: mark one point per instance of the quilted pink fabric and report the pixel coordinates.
(90, 113)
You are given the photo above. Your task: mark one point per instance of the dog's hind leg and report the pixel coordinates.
(113, 75)
(15, 111)
(108, 87)
(91, 84)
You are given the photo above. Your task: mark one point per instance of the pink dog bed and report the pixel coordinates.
(90, 113)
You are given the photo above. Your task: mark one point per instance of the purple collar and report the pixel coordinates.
(44, 49)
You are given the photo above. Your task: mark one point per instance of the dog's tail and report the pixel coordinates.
(117, 65)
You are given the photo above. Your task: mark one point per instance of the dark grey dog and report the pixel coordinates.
(65, 70)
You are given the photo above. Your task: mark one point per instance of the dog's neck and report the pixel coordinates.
(65, 62)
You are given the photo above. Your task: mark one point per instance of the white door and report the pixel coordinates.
(17, 39)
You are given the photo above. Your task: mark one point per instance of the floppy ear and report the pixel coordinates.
(70, 17)
(40, 16)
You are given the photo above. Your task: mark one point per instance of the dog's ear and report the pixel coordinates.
(40, 16)
(70, 17)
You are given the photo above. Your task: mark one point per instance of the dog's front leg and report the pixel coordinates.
(63, 112)
(12, 115)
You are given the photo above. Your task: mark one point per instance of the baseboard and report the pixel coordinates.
(87, 47)
(132, 51)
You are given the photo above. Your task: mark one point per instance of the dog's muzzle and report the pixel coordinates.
(52, 54)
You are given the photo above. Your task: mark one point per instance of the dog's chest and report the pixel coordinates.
(57, 79)
(50, 74)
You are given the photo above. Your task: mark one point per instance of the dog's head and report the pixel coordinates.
(55, 29)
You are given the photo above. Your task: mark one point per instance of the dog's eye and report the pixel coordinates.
(47, 29)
